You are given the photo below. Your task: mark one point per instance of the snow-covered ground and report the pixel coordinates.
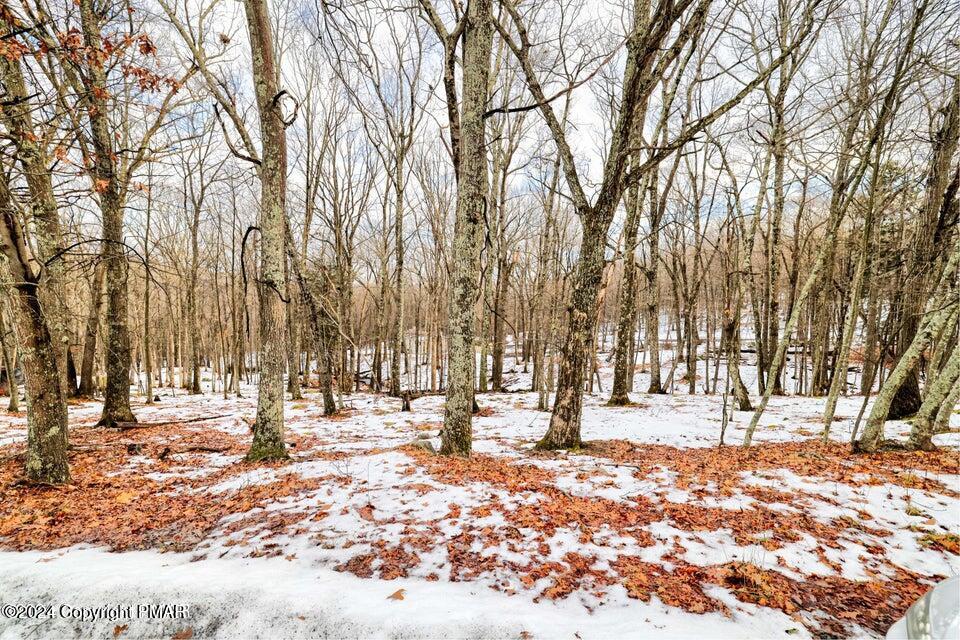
(650, 530)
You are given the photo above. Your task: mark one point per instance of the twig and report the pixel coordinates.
(127, 426)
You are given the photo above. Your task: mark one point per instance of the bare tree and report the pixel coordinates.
(667, 28)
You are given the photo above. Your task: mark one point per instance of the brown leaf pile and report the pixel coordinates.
(111, 503)
(831, 602)
(124, 511)
(832, 462)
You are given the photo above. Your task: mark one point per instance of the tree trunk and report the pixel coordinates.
(941, 423)
(293, 337)
(845, 185)
(106, 178)
(780, 354)
(147, 347)
(46, 460)
(942, 310)
(456, 436)
(627, 307)
(926, 252)
(268, 429)
(17, 109)
(839, 383)
(482, 380)
(499, 323)
(731, 332)
(192, 313)
(116, 403)
(937, 392)
(564, 431)
(8, 344)
(398, 282)
(87, 384)
(651, 336)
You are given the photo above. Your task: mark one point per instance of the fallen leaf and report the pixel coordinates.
(397, 595)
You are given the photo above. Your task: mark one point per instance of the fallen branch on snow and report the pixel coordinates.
(127, 426)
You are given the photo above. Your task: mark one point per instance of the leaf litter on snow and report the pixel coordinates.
(798, 526)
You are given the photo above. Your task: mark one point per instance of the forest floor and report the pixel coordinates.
(651, 529)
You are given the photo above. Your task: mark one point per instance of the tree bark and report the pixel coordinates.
(9, 360)
(87, 384)
(268, 441)
(17, 109)
(564, 431)
(627, 307)
(106, 179)
(398, 341)
(937, 392)
(472, 193)
(192, 312)
(46, 460)
(651, 335)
